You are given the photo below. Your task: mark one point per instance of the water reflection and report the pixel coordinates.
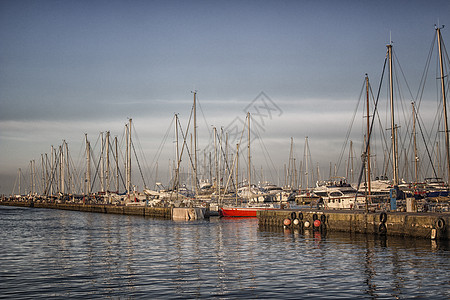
(82, 255)
(390, 266)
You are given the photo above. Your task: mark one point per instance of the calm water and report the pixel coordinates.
(60, 254)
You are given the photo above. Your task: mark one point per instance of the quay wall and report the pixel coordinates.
(155, 212)
(420, 225)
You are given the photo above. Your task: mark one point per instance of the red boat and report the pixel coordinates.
(241, 211)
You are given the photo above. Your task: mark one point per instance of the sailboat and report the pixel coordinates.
(250, 196)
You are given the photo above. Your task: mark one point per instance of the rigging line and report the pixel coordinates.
(408, 124)
(161, 146)
(50, 181)
(428, 141)
(121, 144)
(236, 157)
(74, 170)
(187, 150)
(227, 167)
(139, 165)
(426, 148)
(96, 168)
(423, 79)
(400, 96)
(142, 154)
(176, 178)
(403, 74)
(91, 151)
(204, 118)
(118, 172)
(344, 146)
(53, 172)
(265, 153)
(383, 136)
(370, 131)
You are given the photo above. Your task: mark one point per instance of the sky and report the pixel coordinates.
(70, 68)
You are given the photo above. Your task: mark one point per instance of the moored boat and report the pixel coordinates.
(245, 211)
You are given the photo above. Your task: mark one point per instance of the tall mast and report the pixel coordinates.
(368, 129)
(117, 163)
(219, 159)
(416, 158)
(69, 178)
(306, 152)
(444, 102)
(351, 162)
(129, 157)
(177, 153)
(249, 163)
(393, 131)
(43, 173)
(225, 169)
(195, 142)
(61, 168)
(290, 165)
(52, 165)
(88, 166)
(215, 162)
(107, 179)
(32, 176)
(237, 172)
(102, 164)
(20, 177)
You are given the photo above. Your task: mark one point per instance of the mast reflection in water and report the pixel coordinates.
(53, 253)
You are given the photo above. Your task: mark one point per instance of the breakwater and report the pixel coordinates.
(418, 225)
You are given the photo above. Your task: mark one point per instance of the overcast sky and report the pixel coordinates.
(75, 67)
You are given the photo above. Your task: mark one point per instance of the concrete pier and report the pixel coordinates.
(420, 225)
(154, 212)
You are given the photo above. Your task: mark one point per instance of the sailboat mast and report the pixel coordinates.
(107, 164)
(393, 131)
(129, 157)
(368, 129)
(61, 168)
(52, 170)
(43, 173)
(237, 171)
(249, 163)
(306, 163)
(69, 177)
(177, 153)
(416, 158)
(102, 164)
(117, 163)
(444, 102)
(290, 165)
(88, 166)
(20, 177)
(195, 142)
(215, 162)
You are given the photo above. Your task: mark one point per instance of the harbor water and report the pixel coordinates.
(61, 254)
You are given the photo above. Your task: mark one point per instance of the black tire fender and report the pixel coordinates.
(383, 217)
(382, 229)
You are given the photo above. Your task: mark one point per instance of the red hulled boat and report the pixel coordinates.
(241, 211)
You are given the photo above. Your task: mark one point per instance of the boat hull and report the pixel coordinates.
(246, 212)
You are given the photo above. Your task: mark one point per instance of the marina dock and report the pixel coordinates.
(184, 213)
(430, 225)
(401, 224)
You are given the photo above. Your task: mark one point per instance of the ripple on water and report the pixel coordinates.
(52, 253)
